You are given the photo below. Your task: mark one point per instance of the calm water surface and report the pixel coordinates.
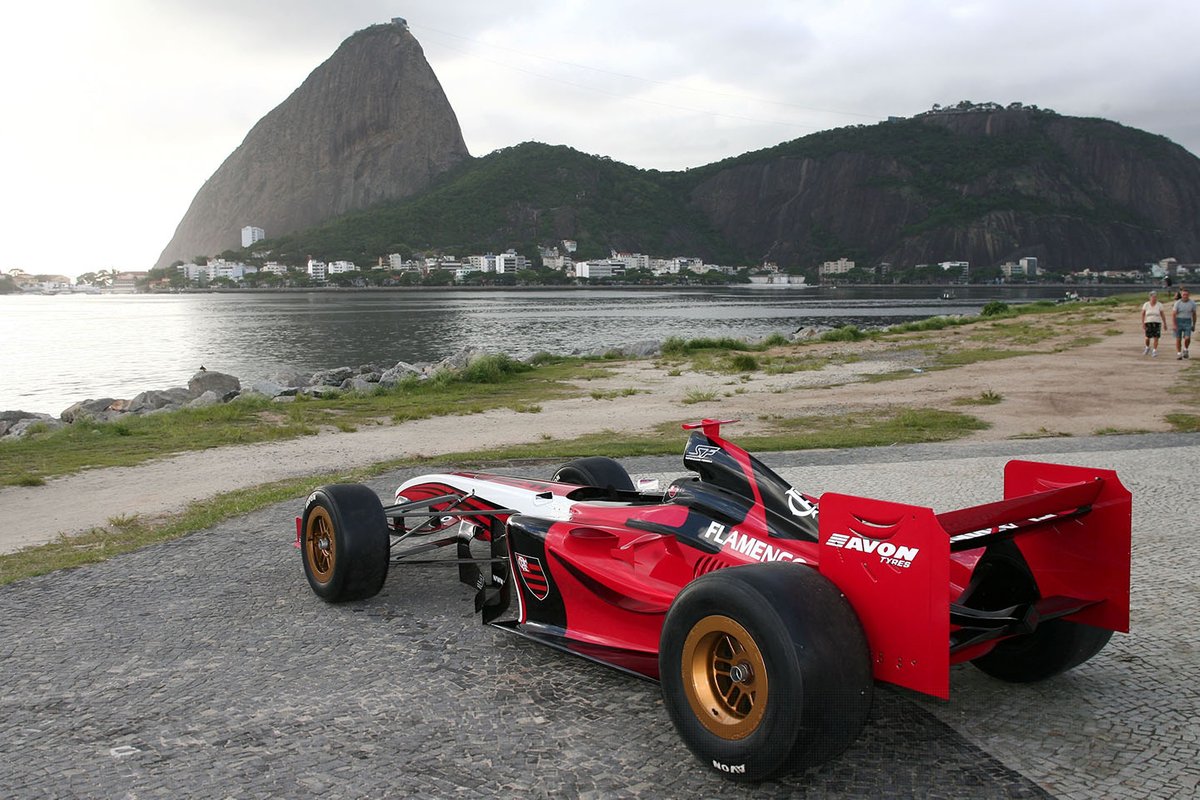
(56, 350)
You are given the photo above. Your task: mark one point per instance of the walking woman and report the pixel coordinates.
(1154, 319)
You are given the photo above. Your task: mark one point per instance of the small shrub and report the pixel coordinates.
(994, 308)
(527, 408)
(675, 346)
(985, 398)
(743, 362)
(698, 396)
(775, 340)
(846, 333)
(491, 369)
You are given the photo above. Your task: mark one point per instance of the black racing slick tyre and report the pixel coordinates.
(598, 471)
(344, 542)
(765, 670)
(1053, 648)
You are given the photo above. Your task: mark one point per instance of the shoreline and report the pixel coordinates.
(966, 305)
(1108, 288)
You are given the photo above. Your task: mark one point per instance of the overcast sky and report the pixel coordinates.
(114, 112)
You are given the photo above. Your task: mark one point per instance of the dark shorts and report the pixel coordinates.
(1183, 329)
(1153, 330)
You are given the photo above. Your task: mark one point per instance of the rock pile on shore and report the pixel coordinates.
(209, 387)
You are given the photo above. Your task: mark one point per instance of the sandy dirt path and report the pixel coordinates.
(1063, 391)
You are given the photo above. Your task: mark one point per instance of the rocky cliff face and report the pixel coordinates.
(370, 124)
(979, 186)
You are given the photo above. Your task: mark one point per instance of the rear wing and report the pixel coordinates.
(1072, 525)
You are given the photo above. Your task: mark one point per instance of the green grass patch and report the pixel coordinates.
(612, 394)
(743, 362)
(960, 358)
(677, 346)
(930, 324)
(29, 480)
(526, 408)
(1184, 423)
(846, 333)
(1019, 332)
(694, 396)
(902, 426)
(985, 398)
(1042, 433)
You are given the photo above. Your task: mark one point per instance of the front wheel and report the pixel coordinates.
(344, 542)
(765, 670)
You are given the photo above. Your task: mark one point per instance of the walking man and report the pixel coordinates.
(1153, 321)
(1183, 317)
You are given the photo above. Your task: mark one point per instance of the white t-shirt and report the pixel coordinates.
(1153, 313)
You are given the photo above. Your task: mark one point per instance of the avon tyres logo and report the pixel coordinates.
(533, 576)
(890, 554)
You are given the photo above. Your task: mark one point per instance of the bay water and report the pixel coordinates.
(59, 349)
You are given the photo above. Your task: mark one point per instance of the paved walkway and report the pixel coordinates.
(206, 668)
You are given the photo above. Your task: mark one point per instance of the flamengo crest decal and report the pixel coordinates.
(533, 576)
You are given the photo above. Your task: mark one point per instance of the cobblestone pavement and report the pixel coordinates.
(205, 667)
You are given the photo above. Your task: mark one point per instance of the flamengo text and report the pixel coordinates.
(738, 542)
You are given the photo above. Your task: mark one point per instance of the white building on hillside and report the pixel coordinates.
(251, 234)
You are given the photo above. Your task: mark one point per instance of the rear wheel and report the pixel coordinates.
(344, 542)
(1053, 648)
(1003, 579)
(765, 670)
(598, 471)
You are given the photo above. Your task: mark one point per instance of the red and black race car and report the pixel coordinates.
(766, 614)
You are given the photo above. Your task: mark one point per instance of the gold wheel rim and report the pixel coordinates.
(725, 677)
(320, 544)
